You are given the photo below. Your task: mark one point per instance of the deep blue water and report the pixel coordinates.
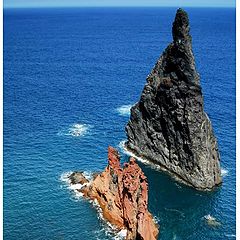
(64, 67)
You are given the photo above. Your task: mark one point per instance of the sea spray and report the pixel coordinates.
(124, 150)
(224, 172)
(124, 110)
(109, 229)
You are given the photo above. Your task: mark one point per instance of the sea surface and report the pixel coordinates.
(70, 78)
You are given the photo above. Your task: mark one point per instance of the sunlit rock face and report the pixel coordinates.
(168, 125)
(122, 194)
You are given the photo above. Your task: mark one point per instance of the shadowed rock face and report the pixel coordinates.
(122, 194)
(168, 125)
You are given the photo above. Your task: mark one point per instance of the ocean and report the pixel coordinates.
(70, 78)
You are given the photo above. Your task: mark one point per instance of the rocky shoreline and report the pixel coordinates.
(122, 195)
(162, 168)
(159, 166)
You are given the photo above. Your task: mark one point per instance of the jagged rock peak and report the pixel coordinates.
(177, 62)
(122, 194)
(168, 125)
(180, 29)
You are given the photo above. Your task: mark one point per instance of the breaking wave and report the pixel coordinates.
(224, 172)
(76, 130)
(121, 146)
(108, 228)
(124, 110)
(75, 187)
(123, 149)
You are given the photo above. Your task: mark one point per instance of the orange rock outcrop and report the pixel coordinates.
(122, 194)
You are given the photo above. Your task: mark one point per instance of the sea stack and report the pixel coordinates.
(168, 125)
(122, 194)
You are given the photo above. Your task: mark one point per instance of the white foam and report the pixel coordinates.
(209, 217)
(121, 234)
(231, 235)
(224, 172)
(78, 195)
(109, 229)
(156, 219)
(76, 130)
(211, 221)
(122, 147)
(178, 186)
(124, 110)
(75, 187)
(88, 175)
(65, 177)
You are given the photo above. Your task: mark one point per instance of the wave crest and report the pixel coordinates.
(224, 172)
(122, 147)
(124, 110)
(108, 228)
(75, 187)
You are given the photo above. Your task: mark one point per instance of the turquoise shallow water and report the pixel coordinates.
(66, 74)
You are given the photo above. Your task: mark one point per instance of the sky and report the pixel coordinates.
(116, 3)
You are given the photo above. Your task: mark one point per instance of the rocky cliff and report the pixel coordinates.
(122, 194)
(168, 125)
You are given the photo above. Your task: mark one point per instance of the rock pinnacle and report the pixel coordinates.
(168, 125)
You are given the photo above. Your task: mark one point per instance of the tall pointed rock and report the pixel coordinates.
(168, 126)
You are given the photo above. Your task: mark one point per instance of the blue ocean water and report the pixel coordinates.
(70, 76)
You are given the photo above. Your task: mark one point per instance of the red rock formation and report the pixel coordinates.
(123, 197)
(137, 218)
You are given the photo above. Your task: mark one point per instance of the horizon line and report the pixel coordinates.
(109, 6)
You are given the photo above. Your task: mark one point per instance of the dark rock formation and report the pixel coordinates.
(168, 125)
(77, 178)
(122, 194)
